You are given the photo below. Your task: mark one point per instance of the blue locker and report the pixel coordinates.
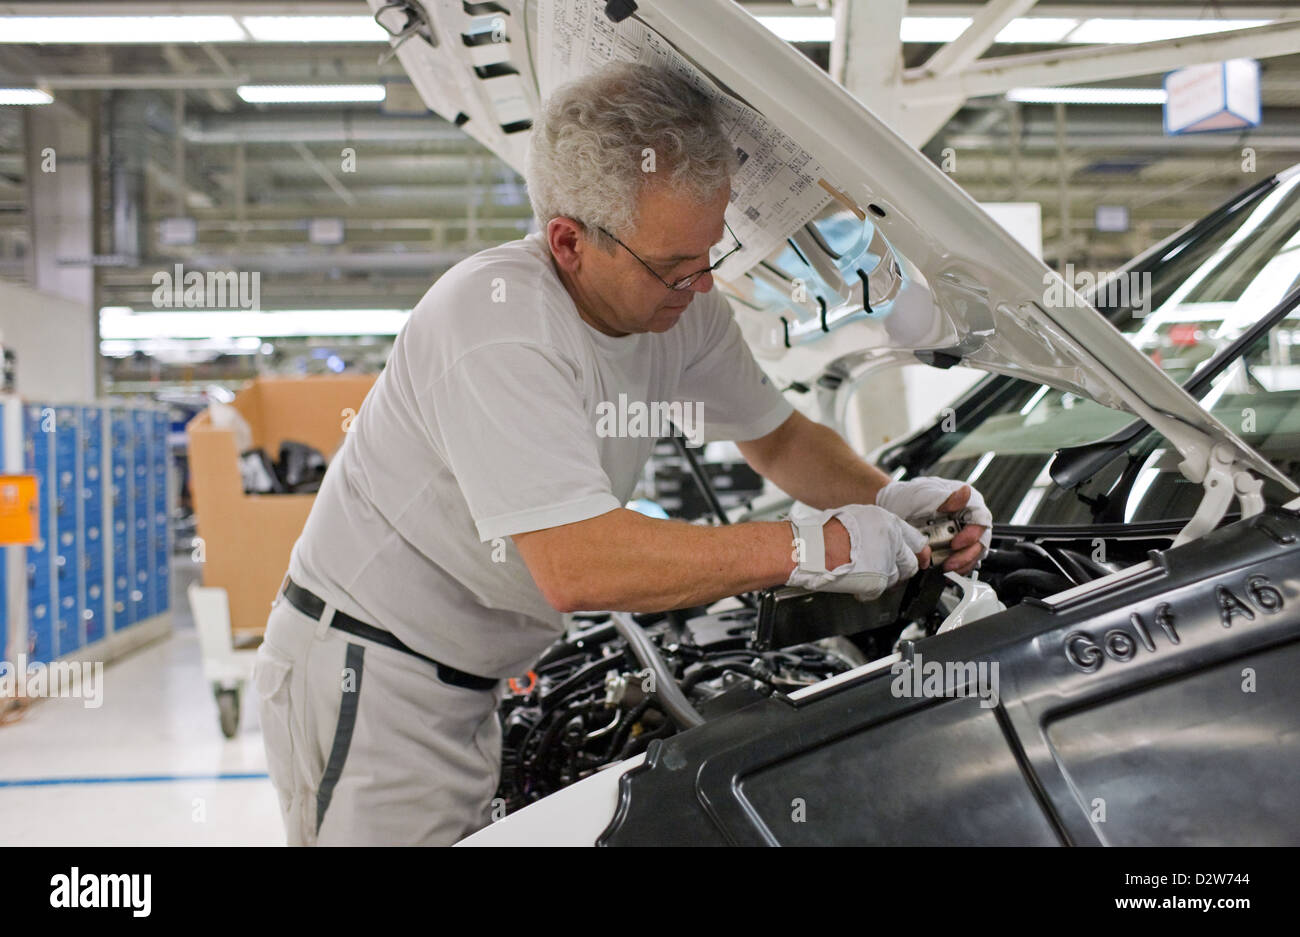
(120, 432)
(141, 505)
(160, 452)
(69, 548)
(102, 554)
(38, 435)
(93, 566)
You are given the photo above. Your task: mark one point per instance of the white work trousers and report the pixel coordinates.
(365, 745)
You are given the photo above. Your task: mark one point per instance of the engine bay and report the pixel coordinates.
(618, 681)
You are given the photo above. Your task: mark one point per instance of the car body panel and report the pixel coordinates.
(1118, 707)
(574, 816)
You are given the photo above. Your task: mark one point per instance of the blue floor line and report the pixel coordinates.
(135, 779)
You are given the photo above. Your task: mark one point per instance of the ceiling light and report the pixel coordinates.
(101, 29)
(118, 325)
(801, 28)
(932, 28)
(1087, 95)
(314, 29)
(24, 96)
(310, 94)
(1109, 30)
(1030, 29)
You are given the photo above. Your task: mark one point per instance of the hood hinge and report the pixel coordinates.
(1223, 479)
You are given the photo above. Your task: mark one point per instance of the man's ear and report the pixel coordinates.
(567, 241)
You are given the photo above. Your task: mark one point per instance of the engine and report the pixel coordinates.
(617, 681)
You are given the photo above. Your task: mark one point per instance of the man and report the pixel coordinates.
(474, 501)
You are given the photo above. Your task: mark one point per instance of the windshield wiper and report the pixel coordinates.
(1074, 465)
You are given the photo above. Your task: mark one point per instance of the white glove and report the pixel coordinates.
(882, 550)
(918, 500)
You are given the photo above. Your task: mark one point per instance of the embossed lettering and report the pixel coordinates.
(1119, 645)
(1230, 605)
(1264, 594)
(1165, 619)
(1140, 627)
(1082, 652)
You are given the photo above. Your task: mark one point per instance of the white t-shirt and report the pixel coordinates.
(496, 415)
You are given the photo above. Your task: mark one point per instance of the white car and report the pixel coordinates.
(1090, 685)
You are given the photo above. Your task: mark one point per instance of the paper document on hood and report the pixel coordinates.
(773, 193)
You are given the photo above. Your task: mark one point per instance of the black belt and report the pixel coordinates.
(313, 607)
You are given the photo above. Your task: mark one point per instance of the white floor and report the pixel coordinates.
(70, 775)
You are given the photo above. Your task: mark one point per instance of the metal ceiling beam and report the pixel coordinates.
(1121, 142)
(364, 261)
(136, 82)
(979, 35)
(181, 63)
(1100, 63)
(338, 188)
(329, 126)
(219, 60)
(167, 181)
(873, 53)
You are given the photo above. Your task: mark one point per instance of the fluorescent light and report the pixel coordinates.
(118, 325)
(1087, 95)
(309, 94)
(314, 29)
(1036, 29)
(801, 28)
(24, 96)
(932, 28)
(1107, 30)
(104, 29)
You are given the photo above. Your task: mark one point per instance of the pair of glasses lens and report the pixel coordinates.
(722, 250)
(682, 283)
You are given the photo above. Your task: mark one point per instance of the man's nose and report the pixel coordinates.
(703, 284)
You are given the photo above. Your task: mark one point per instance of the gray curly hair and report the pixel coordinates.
(586, 152)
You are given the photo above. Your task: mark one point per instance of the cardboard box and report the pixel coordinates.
(247, 538)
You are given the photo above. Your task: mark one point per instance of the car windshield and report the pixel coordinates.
(1179, 306)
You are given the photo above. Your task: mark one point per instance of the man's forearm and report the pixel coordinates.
(623, 561)
(813, 464)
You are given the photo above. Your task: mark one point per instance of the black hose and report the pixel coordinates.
(556, 696)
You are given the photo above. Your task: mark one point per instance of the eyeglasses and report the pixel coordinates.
(685, 282)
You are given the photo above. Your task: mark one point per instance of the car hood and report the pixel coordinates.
(928, 272)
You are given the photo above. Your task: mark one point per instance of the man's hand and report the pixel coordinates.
(883, 549)
(968, 546)
(917, 500)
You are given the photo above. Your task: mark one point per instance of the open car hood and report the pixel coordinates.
(926, 271)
